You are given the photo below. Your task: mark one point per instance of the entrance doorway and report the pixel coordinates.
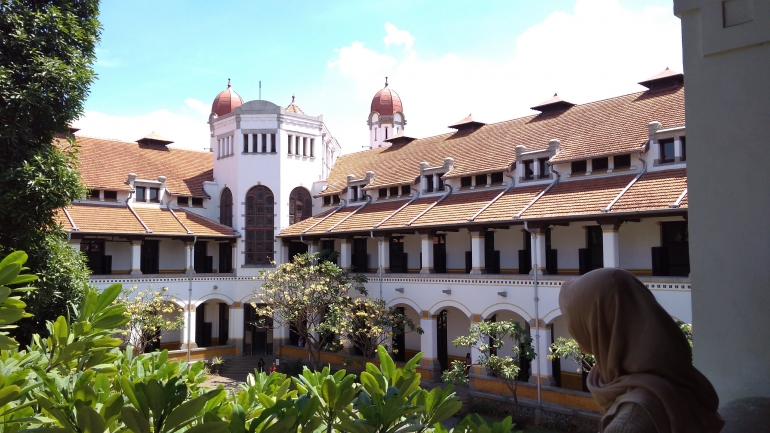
(257, 335)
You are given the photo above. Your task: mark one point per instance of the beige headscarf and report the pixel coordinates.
(641, 354)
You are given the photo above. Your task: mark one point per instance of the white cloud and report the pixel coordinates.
(596, 51)
(187, 130)
(397, 37)
(200, 107)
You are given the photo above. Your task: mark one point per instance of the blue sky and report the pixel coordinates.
(161, 63)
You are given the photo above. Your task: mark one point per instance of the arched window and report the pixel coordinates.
(300, 205)
(260, 210)
(226, 208)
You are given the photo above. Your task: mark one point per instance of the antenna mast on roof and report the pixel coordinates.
(260, 90)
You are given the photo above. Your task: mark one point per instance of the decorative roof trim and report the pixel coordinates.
(537, 197)
(397, 210)
(69, 218)
(128, 205)
(620, 194)
(350, 214)
(678, 201)
(189, 232)
(491, 202)
(431, 206)
(322, 219)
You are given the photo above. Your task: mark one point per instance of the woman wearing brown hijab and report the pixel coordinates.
(643, 378)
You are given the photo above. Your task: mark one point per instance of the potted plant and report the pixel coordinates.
(216, 364)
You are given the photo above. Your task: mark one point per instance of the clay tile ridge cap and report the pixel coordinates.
(386, 101)
(466, 123)
(226, 101)
(154, 138)
(553, 103)
(663, 78)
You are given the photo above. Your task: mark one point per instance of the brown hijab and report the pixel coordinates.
(641, 354)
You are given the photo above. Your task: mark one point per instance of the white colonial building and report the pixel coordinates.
(451, 228)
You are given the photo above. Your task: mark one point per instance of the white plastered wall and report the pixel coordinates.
(121, 255)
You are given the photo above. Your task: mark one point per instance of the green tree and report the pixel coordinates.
(309, 296)
(46, 57)
(506, 368)
(151, 312)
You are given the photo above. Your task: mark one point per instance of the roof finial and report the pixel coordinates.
(554, 94)
(292, 98)
(386, 81)
(228, 83)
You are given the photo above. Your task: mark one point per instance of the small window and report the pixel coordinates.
(393, 191)
(264, 143)
(141, 193)
(383, 193)
(440, 186)
(245, 143)
(354, 193)
(544, 168)
(110, 195)
(666, 150)
(94, 194)
(622, 161)
(578, 167)
(335, 199)
(312, 147)
(466, 182)
(497, 178)
(481, 180)
(289, 141)
(327, 200)
(529, 169)
(183, 201)
(684, 148)
(296, 145)
(154, 195)
(428, 183)
(272, 143)
(600, 164)
(197, 201)
(304, 146)
(406, 190)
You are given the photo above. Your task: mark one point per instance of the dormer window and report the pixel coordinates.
(155, 195)
(578, 167)
(141, 193)
(481, 180)
(383, 193)
(354, 193)
(110, 196)
(393, 191)
(327, 200)
(428, 183)
(600, 164)
(466, 182)
(542, 165)
(666, 151)
(183, 201)
(529, 169)
(622, 161)
(497, 178)
(440, 186)
(335, 199)
(197, 202)
(406, 190)
(94, 194)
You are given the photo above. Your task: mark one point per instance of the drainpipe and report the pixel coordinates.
(539, 410)
(379, 258)
(189, 301)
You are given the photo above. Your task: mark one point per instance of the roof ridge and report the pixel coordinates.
(397, 210)
(348, 215)
(116, 140)
(491, 202)
(189, 232)
(430, 207)
(322, 219)
(537, 197)
(623, 191)
(136, 215)
(69, 218)
(187, 212)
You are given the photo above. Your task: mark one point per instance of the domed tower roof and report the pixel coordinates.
(294, 108)
(386, 101)
(226, 101)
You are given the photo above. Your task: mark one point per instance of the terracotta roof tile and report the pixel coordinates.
(610, 126)
(203, 226)
(578, 197)
(105, 164)
(332, 220)
(408, 213)
(456, 208)
(160, 220)
(372, 214)
(298, 228)
(511, 203)
(104, 219)
(655, 190)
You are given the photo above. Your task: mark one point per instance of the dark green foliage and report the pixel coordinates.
(46, 57)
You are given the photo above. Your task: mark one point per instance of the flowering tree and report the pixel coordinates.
(368, 323)
(504, 367)
(309, 296)
(151, 312)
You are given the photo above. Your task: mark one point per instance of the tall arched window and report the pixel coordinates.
(300, 205)
(226, 208)
(260, 210)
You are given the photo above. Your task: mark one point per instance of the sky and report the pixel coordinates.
(160, 64)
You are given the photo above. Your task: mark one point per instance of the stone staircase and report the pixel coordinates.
(237, 368)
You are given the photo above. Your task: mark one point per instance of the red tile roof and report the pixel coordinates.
(511, 203)
(578, 197)
(610, 126)
(105, 164)
(101, 219)
(656, 190)
(456, 208)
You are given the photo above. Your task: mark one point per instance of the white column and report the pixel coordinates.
(384, 253)
(489, 180)
(589, 166)
(535, 169)
(610, 245)
(188, 249)
(250, 146)
(477, 253)
(677, 149)
(610, 164)
(313, 247)
(346, 252)
(541, 360)
(236, 327)
(429, 346)
(234, 260)
(435, 182)
(426, 241)
(189, 328)
(136, 257)
(473, 182)
(538, 252)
